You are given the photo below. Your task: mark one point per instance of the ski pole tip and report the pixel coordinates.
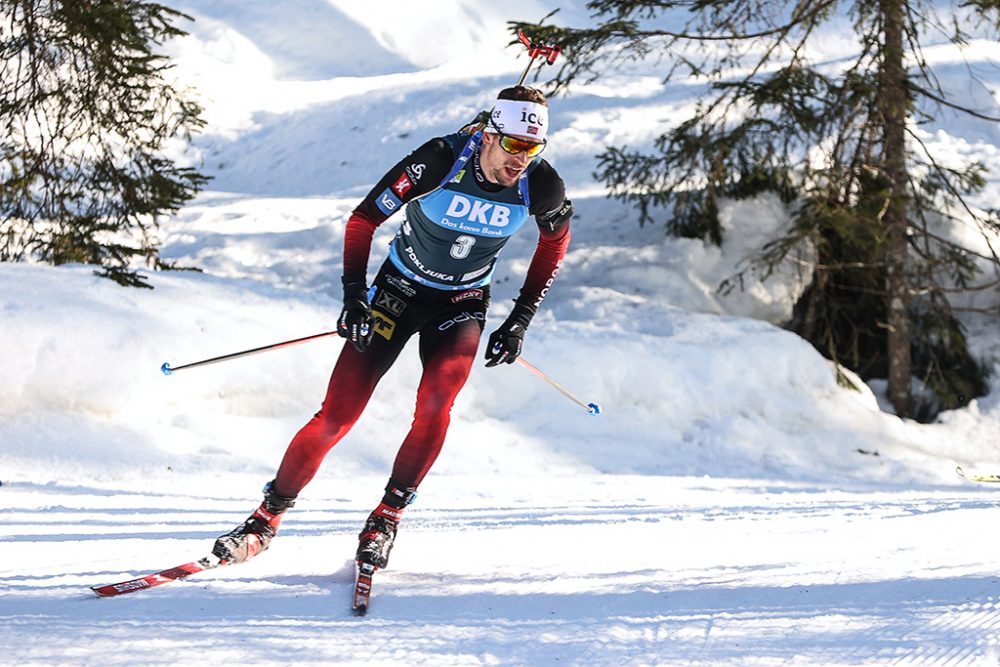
(593, 409)
(165, 368)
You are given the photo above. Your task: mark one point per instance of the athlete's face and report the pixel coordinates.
(498, 165)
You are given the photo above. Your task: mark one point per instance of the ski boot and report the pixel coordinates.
(256, 533)
(376, 538)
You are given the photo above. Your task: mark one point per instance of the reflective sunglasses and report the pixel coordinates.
(516, 146)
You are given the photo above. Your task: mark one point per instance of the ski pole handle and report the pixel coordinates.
(592, 409)
(167, 369)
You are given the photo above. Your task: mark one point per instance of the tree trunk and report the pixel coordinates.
(892, 101)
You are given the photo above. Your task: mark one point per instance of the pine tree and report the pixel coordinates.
(839, 144)
(87, 110)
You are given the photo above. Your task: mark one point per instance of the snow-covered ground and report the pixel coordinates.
(731, 506)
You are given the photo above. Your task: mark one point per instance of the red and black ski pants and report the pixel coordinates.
(449, 324)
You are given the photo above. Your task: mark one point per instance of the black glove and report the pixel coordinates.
(505, 343)
(356, 323)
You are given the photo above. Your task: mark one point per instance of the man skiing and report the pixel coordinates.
(465, 195)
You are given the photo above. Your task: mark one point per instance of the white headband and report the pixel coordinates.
(525, 119)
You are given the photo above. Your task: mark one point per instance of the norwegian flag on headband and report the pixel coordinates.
(519, 117)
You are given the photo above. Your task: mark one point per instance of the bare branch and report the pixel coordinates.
(940, 100)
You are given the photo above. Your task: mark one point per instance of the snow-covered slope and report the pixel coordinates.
(732, 504)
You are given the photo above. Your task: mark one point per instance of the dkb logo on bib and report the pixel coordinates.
(479, 211)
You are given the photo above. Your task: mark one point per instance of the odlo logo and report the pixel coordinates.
(477, 210)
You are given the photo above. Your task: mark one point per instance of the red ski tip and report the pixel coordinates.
(363, 588)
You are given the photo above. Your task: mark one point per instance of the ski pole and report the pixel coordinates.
(550, 53)
(167, 369)
(591, 408)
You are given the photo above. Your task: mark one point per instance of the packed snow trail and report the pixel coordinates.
(599, 570)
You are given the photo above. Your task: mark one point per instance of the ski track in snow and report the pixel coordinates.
(642, 572)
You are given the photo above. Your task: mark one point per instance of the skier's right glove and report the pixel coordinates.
(356, 323)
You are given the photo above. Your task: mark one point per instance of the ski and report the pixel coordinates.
(973, 477)
(158, 578)
(362, 588)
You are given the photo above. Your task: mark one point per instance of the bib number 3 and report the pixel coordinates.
(462, 246)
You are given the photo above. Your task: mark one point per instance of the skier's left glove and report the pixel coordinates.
(356, 323)
(505, 343)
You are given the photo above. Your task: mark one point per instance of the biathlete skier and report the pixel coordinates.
(465, 195)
